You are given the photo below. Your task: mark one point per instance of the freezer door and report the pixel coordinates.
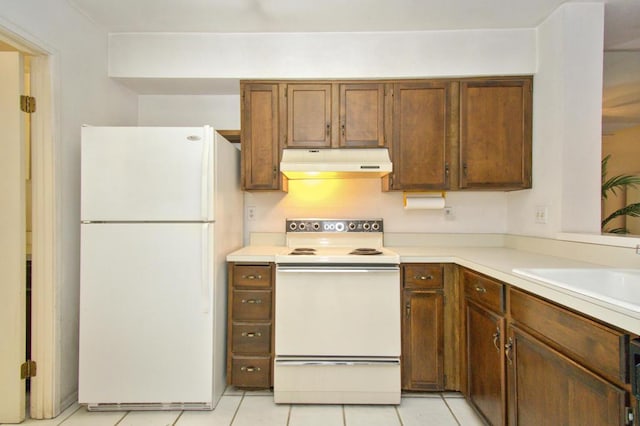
(146, 314)
(147, 174)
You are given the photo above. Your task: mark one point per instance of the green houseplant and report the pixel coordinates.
(611, 185)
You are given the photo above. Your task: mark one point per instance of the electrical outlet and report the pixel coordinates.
(448, 213)
(541, 214)
(251, 213)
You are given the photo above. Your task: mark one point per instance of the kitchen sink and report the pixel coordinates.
(620, 287)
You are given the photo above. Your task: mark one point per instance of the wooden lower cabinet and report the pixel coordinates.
(530, 361)
(422, 327)
(547, 387)
(250, 325)
(485, 362)
(484, 324)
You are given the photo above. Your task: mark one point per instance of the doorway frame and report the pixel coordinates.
(44, 399)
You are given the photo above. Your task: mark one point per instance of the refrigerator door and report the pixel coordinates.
(147, 174)
(147, 316)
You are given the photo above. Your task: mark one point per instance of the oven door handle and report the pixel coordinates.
(330, 363)
(333, 269)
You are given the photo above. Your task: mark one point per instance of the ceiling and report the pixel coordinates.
(622, 25)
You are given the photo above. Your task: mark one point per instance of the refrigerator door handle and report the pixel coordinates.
(204, 268)
(206, 175)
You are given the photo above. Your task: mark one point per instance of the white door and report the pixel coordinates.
(147, 174)
(12, 241)
(146, 313)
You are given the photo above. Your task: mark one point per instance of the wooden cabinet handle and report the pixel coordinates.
(250, 369)
(496, 338)
(251, 334)
(252, 301)
(480, 289)
(423, 277)
(252, 277)
(507, 350)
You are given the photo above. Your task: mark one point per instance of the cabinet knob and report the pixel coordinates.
(342, 129)
(407, 309)
(464, 169)
(328, 129)
(275, 172)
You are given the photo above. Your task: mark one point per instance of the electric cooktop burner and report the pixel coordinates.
(303, 250)
(365, 251)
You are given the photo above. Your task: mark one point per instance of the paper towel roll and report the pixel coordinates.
(424, 203)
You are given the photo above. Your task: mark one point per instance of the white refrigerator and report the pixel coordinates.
(161, 207)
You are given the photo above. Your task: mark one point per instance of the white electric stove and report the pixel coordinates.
(337, 314)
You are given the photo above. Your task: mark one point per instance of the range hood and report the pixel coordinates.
(345, 163)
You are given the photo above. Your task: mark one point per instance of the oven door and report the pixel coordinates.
(337, 310)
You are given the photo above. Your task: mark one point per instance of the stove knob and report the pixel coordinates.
(340, 226)
(366, 226)
(316, 226)
(375, 226)
(302, 226)
(352, 226)
(293, 226)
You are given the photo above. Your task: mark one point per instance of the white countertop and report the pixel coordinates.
(497, 263)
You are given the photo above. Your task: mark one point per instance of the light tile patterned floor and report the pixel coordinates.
(239, 408)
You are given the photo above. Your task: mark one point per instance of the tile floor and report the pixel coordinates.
(239, 408)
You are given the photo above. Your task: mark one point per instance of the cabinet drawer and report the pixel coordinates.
(251, 372)
(251, 305)
(592, 344)
(254, 276)
(422, 275)
(484, 290)
(250, 338)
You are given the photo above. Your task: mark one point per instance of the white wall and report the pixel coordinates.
(566, 126)
(83, 94)
(321, 55)
(221, 112)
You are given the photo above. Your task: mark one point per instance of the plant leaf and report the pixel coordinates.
(632, 210)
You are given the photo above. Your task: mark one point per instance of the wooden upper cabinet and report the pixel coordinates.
(362, 115)
(309, 115)
(495, 133)
(421, 118)
(260, 136)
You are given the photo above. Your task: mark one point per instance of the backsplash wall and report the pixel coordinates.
(473, 212)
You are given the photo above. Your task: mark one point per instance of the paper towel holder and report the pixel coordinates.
(424, 194)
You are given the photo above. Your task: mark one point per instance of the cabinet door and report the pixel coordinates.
(485, 362)
(548, 388)
(260, 137)
(495, 134)
(361, 115)
(309, 115)
(423, 341)
(420, 146)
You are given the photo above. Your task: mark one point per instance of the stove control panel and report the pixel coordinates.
(334, 225)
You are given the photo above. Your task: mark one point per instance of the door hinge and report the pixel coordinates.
(28, 369)
(27, 104)
(629, 415)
